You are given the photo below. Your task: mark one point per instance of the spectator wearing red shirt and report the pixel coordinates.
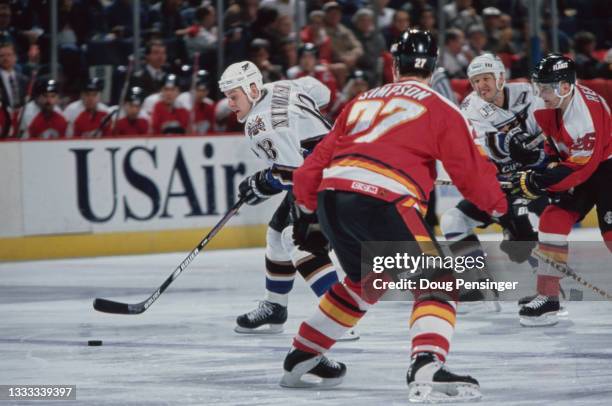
(169, 116)
(85, 117)
(133, 121)
(308, 55)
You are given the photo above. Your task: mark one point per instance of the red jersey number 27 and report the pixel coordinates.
(378, 117)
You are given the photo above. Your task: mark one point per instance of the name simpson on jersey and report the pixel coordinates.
(408, 90)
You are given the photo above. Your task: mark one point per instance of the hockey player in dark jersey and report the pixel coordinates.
(576, 121)
(369, 180)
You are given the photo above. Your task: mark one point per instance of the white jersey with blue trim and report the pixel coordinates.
(492, 123)
(285, 121)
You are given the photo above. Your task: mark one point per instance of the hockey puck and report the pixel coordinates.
(94, 343)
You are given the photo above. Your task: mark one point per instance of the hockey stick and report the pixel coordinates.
(448, 182)
(124, 90)
(566, 270)
(17, 130)
(109, 306)
(192, 93)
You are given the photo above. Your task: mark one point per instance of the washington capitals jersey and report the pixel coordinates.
(83, 123)
(493, 123)
(36, 124)
(286, 122)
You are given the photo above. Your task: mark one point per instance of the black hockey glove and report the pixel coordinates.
(519, 236)
(256, 188)
(524, 185)
(307, 234)
(524, 148)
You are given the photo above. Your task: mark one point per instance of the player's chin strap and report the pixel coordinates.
(561, 98)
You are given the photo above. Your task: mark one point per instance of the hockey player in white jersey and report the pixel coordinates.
(283, 123)
(502, 116)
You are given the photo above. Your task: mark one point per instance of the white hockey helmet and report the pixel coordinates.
(487, 63)
(242, 74)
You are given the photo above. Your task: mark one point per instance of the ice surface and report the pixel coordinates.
(183, 350)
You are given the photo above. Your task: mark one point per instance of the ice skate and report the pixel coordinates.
(539, 312)
(267, 318)
(430, 382)
(306, 370)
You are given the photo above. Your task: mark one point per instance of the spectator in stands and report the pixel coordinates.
(86, 116)
(460, 14)
(237, 35)
(476, 42)
(202, 115)
(315, 33)
(283, 31)
(358, 82)
(492, 24)
(345, 46)
(288, 55)
(259, 54)
(284, 7)
(385, 14)
(605, 69)
(13, 86)
(452, 58)
(265, 24)
(309, 65)
(373, 44)
(202, 35)
(587, 66)
(169, 116)
(120, 18)
(151, 77)
(427, 20)
(9, 33)
(399, 24)
(508, 37)
(166, 17)
(42, 117)
(132, 120)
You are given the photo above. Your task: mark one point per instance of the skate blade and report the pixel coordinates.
(547, 319)
(350, 335)
(426, 392)
(483, 306)
(293, 379)
(265, 329)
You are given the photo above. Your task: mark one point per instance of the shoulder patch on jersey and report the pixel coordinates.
(487, 110)
(255, 126)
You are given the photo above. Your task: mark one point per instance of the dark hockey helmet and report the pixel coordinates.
(554, 68)
(93, 84)
(45, 86)
(171, 80)
(415, 52)
(308, 47)
(135, 95)
(203, 78)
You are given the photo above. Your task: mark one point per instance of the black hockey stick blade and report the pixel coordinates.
(109, 306)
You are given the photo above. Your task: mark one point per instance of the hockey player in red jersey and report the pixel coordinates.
(202, 114)
(369, 180)
(133, 121)
(85, 116)
(169, 116)
(576, 122)
(42, 118)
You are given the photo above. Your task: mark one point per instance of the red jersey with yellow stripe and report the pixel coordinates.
(580, 136)
(385, 144)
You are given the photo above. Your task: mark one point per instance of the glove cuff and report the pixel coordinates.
(525, 186)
